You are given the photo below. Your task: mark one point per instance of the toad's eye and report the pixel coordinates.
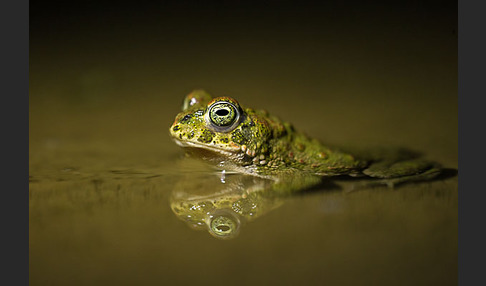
(223, 116)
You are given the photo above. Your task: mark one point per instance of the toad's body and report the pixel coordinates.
(256, 143)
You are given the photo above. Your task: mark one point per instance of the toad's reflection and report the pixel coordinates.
(221, 204)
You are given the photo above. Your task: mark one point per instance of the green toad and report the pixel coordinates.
(256, 143)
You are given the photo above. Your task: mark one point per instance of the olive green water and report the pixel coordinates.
(103, 169)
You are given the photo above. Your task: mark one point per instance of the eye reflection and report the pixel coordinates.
(224, 224)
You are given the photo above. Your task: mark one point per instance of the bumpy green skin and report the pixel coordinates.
(262, 145)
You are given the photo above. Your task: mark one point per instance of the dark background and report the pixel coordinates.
(237, 38)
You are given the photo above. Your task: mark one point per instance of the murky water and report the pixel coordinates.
(104, 172)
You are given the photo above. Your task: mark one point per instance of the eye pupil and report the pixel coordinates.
(222, 112)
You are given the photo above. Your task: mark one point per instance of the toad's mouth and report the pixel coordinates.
(193, 147)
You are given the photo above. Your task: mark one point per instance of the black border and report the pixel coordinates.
(14, 23)
(471, 62)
